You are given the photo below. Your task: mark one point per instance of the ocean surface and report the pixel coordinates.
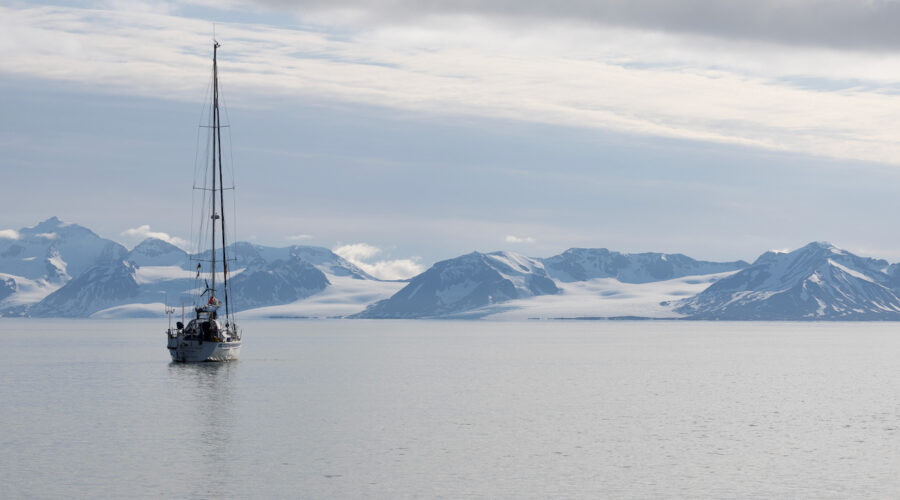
(453, 409)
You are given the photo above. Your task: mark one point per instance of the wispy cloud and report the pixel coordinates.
(362, 254)
(9, 234)
(519, 239)
(141, 233)
(300, 237)
(627, 76)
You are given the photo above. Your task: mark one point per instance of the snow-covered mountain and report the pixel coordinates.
(322, 283)
(284, 281)
(155, 252)
(583, 264)
(55, 251)
(155, 272)
(97, 288)
(36, 261)
(453, 287)
(816, 282)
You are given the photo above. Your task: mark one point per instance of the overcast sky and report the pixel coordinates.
(405, 132)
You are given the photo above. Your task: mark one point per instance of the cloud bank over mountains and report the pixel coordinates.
(363, 255)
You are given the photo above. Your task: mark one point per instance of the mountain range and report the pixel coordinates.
(58, 269)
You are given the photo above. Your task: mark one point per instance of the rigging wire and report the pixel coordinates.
(201, 177)
(198, 168)
(233, 218)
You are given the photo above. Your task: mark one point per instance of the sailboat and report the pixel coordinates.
(212, 334)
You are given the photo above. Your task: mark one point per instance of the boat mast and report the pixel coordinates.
(218, 130)
(214, 216)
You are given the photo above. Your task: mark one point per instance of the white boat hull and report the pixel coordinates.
(193, 351)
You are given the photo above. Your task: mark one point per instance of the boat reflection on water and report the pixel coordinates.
(207, 425)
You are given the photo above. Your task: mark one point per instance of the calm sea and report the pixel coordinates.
(416, 409)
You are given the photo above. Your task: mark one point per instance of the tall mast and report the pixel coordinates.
(218, 130)
(214, 215)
